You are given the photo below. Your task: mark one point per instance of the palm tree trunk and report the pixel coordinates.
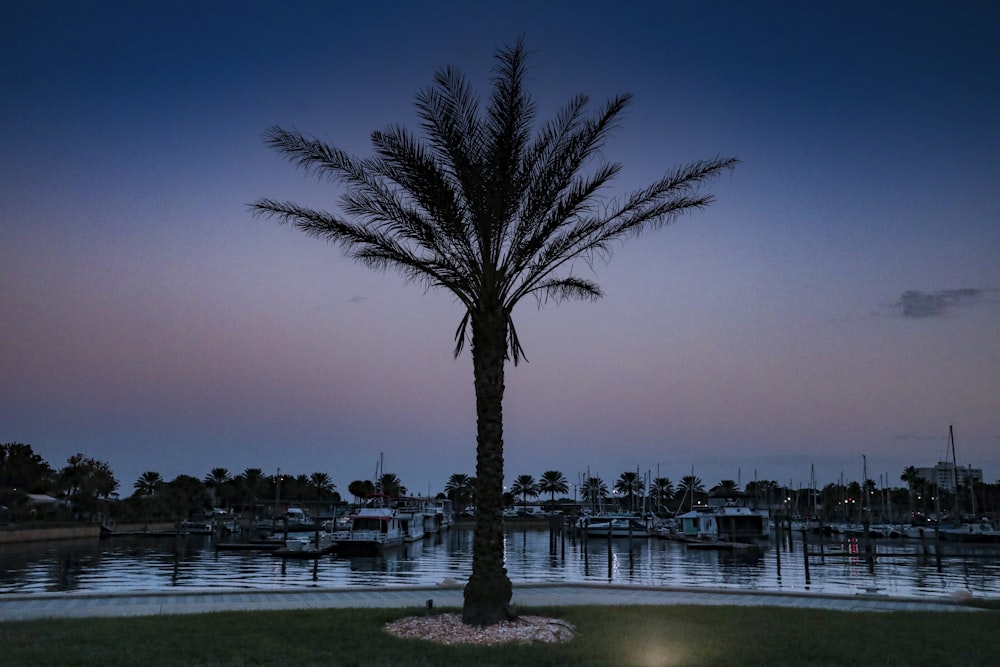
(488, 592)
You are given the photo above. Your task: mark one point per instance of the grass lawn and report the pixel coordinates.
(670, 635)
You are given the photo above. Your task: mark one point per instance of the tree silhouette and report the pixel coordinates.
(552, 482)
(689, 487)
(321, 484)
(361, 488)
(630, 484)
(726, 487)
(148, 483)
(22, 469)
(86, 481)
(460, 489)
(661, 489)
(390, 485)
(216, 481)
(493, 213)
(524, 486)
(250, 484)
(594, 490)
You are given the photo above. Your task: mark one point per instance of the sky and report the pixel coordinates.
(836, 309)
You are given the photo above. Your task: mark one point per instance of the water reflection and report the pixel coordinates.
(532, 556)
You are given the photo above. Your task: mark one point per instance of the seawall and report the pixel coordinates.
(11, 535)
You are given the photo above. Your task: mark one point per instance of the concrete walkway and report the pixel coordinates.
(77, 605)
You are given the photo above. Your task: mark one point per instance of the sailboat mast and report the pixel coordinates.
(954, 468)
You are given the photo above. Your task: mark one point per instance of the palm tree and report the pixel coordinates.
(390, 485)
(912, 479)
(552, 482)
(689, 486)
(250, 484)
(492, 212)
(215, 481)
(148, 483)
(629, 484)
(661, 488)
(726, 487)
(594, 490)
(524, 486)
(461, 489)
(321, 484)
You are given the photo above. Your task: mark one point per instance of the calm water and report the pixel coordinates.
(157, 564)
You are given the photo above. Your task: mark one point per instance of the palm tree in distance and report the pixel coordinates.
(148, 483)
(251, 484)
(493, 212)
(321, 484)
(630, 484)
(912, 479)
(661, 488)
(726, 487)
(524, 486)
(552, 482)
(390, 485)
(460, 488)
(594, 491)
(214, 481)
(689, 487)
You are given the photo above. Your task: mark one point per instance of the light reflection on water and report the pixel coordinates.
(125, 564)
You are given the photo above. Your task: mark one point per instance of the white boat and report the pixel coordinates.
(725, 524)
(410, 514)
(613, 525)
(373, 530)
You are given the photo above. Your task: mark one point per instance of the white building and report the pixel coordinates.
(944, 475)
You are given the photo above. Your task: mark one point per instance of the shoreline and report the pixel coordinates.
(84, 605)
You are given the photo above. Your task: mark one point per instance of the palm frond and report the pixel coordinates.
(481, 203)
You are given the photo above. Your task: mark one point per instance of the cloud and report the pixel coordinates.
(916, 304)
(358, 299)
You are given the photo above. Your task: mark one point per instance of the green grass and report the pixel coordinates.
(673, 635)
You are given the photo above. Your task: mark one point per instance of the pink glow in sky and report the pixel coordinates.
(841, 298)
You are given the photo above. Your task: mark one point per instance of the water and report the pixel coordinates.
(127, 564)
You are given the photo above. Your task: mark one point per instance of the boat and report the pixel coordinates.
(196, 527)
(981, 532)
(301, 547)
(260, 543)
(613, 524)
(724, 524)
(373, 530)
(410, 514)
(439, 515)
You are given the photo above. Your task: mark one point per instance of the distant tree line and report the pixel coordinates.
(86, 487)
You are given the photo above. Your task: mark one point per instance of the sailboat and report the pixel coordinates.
(976, 530)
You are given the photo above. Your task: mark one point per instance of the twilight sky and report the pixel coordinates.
(841, 298)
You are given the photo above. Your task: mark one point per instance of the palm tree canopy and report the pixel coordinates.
(524, 485)
(321, 482)
(552, 482)
(690, 484)
(726, 486)
(662, 486)
(481, 206)
(148, 483)
(594, 488)
(217, 476)
(629, 483)
(390, 485)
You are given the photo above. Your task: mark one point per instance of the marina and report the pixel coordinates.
(892, 567)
